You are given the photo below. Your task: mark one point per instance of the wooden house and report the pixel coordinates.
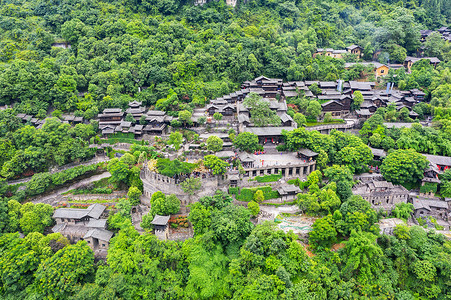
(355, 49)
(334, 107)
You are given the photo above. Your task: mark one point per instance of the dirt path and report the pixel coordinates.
(55, 196)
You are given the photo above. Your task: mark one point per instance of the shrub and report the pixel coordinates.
(234, 190)
(247, 194)
(269, 178)
(428, 187)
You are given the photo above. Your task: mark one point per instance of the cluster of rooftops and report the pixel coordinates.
(336, 97)
(112, 120)
(84, 224)
(38, 123)
(445, 32)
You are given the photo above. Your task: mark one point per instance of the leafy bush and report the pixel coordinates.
(234, 190)
(247, 194)
(43, 182)
(428, 187)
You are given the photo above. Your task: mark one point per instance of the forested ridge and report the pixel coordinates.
(175, 56)
(144, 49)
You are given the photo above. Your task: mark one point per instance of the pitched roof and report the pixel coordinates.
(307, 152)
(93, 211)
(100, 223)
(160, 220)
(112, 110)
(134, 103)
(363, 112)
(246, 157)
(100, 234)
(155, 113)
(286, 189)
(352, 47)
(438, 159)
(428, 203)
(378, 152)
(267, 131)
(331, 102)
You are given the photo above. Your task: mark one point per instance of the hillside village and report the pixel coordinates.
(225, 150)
(336, 99)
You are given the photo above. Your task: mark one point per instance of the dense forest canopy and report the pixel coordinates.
(151, 49)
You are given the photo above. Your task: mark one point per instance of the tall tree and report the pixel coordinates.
(260, 111)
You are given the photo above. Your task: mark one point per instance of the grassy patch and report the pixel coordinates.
(269, 178)
(247, 194)
(334, 121)
(101, 186)
(280, 204)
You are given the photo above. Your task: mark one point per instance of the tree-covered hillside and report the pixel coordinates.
(144, 49)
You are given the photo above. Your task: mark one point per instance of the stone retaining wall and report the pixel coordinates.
(81, 197)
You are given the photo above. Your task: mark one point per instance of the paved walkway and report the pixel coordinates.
(55, 196)
(274, 210)
(95, 160)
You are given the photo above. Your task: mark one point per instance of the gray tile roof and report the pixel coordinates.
(267, 131)
(100, 223)
(438, 159)
(160, 220)
(93, 211)
(100, 234)
(307, 152)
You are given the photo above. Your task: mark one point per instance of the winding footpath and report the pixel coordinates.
(55, 196)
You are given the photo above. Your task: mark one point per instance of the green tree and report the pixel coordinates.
(202, 120)
(175, 139)
(35, 217)
(328, 117)
(163, 205)
(403, 210)
(299, 119)
(357, 100)
(364, 256)
(133, 195)
(313, 109)
(130, 118)
(217, 116)
(128, 159)
(185, 117)
(404, 166)
(260, 111)
(119, 171)
(191, 185)
(231, 224)
(124, 207)
(323, 234)
(214, 143)
(60, 275)
(246, 141)
(355, 214)
(200, 218)
(254, 208)
(258, 196)
(218, 201)
(142, 120)
(217, 165)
